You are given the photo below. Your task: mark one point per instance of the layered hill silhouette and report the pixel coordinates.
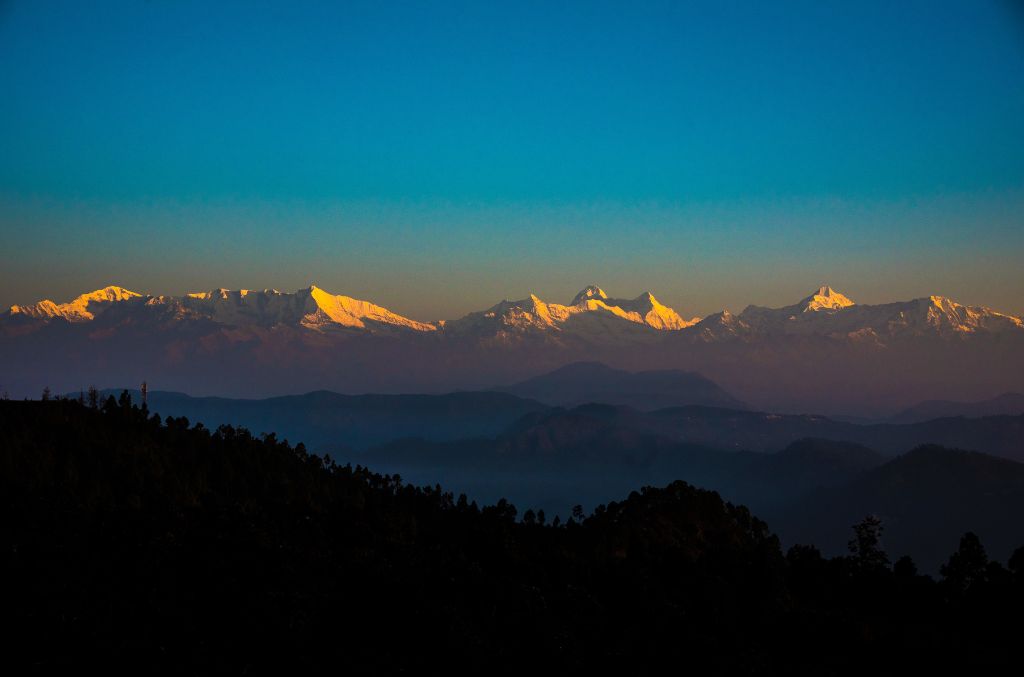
(338, 423)
(597, 426)
(824, 353)
(496, 445)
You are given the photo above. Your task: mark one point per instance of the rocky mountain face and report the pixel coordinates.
(824, 354)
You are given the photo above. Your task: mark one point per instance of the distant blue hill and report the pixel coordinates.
(585, 382)
(1007, 404)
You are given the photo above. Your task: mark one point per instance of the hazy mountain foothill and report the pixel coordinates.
(495, 445)
(584, 382)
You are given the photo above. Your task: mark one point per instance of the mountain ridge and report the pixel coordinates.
(823, 353)
(532, 312)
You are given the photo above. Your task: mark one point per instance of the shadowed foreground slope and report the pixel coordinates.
(135, 544)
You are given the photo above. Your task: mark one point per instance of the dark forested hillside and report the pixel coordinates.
(135, 544)
(810, 491)
(927, 498)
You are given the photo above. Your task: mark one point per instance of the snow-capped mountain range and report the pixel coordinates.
(591, 314)
(822, 354)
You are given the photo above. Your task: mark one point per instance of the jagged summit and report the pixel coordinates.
(81, 309)
(222, 293)
(646, 309)
(944, 315)
(825, 298)
(109, 293)
(349, 312)
(591, 291)
(592, 315)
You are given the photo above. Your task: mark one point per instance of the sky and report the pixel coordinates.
(438, 157)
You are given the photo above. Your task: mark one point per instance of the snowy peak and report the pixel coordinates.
(108, 294)
(721, 325)
(645, 309)
(313, 308)
(82, 309)
(231, 295)
(829, 313)
(237, 308)
(826, 299)
(346, 311)
(591, 314)
(505, 320)
(945, 316)
(591, 291)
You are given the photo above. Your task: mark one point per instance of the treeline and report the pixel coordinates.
(134, 543)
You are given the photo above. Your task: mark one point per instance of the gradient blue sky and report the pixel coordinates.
(438, 157)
